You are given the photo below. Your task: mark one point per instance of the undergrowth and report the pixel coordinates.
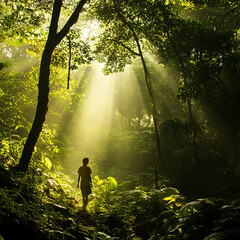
(47, 205)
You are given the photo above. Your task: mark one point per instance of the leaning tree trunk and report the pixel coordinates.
(53, 40)
(41, 111)
(160, 159)
(155, 121)
(152, 102)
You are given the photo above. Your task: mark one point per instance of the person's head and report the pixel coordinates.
(85, 161)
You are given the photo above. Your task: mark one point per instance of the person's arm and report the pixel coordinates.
(90, 181)
(78, 180)
(90, 177)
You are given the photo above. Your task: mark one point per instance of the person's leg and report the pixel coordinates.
(84, 189)
(85, 201)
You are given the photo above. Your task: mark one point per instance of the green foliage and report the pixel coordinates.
(121, 45)
(22, 19)
(10, 151)
(103, 192)
(49, 203)
(126, 148)
(193, 44)
(19, 91)
(80, 51)
(3, 65)
(18, 101)
(42, 200)
(198, 48)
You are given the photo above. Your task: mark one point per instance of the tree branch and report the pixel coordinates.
(55, 17)
(128, 48)
(73, 19)
(69, 61)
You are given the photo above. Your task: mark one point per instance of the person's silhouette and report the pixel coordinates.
(84, 172)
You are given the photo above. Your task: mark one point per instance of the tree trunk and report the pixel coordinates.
(53, 40)
(155, 121)
(154, 112)
(152, 102)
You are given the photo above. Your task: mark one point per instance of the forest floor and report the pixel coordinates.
(41, 208)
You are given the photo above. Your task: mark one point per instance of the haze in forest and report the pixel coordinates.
(149, 86)
(143, 95)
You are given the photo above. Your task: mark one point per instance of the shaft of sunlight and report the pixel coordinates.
(110, 102)
(97, 113)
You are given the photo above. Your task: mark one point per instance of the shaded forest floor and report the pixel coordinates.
(43, 206)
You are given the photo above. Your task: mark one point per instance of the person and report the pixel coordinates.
(84, 173)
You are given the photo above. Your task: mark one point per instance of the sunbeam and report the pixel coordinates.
(108, 103)
(97, 111)
(93, 117)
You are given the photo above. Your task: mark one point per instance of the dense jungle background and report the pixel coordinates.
(148, 90)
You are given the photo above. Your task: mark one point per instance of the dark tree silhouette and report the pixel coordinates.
(54, 38)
